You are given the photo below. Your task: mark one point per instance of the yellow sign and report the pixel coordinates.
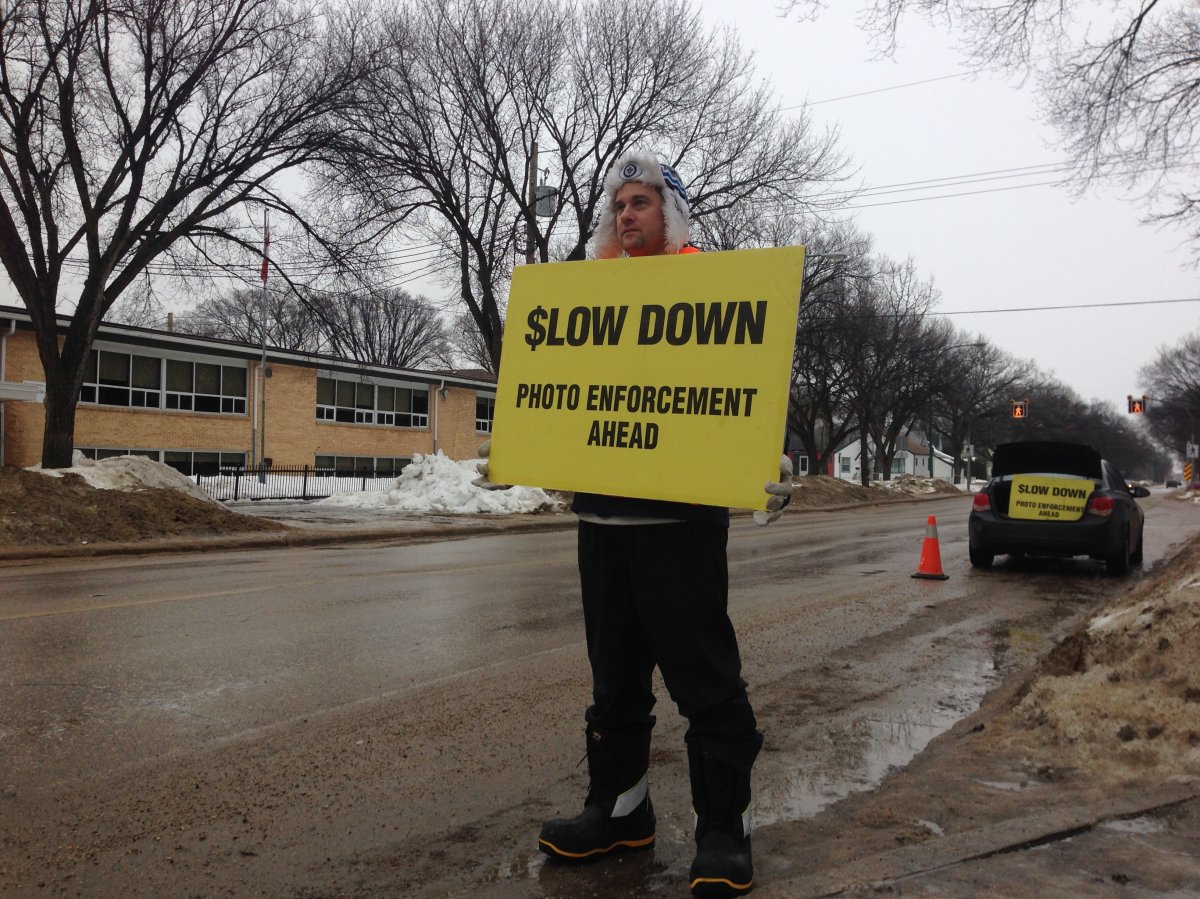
(1046, 498)
(662, 377)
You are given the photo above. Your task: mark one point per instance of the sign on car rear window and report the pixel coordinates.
(1046, 498)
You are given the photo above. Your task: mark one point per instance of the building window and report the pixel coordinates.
(801, 464)
(358, 402)
(122, 379)
(132, 380)
(845, 460)
(184, 461)
(485, 409)
(898, 465)
(350, 466)
(108, 452)
(206, 387)
(205, 462)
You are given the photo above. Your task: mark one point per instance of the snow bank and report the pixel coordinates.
(435, 483)
(914, 485)
(127, 473)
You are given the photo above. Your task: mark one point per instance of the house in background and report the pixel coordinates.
(197, 403)
(911, 458)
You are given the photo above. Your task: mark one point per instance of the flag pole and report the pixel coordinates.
(262, 366)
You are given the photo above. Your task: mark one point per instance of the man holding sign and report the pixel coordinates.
(653, 572)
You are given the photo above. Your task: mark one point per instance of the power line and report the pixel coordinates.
(894, 87)
(1042, 168)
(1047, 168)
(1071, 306)
(298, 269)
(964, 193)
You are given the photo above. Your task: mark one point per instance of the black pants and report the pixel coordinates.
(657, 594)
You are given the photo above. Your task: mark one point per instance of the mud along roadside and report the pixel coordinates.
(1079, 777)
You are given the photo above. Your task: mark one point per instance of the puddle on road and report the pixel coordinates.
(853, 753)
(818, 763)
(1135, 825)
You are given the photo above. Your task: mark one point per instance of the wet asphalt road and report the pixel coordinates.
(395, 720)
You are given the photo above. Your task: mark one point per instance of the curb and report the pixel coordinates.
(291, 539)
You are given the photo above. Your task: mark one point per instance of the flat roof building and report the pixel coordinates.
(197, 403)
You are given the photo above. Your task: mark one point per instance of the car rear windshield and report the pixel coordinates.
(1047, 457)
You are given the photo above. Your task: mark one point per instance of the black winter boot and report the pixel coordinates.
(617, 815)
(720, 775)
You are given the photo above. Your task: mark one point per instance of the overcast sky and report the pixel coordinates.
(1033, 246)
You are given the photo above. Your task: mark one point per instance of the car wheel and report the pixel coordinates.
(1136, 556)
(979, 558)
(1118, 562)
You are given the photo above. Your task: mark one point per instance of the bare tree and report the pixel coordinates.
(888, 310)
(278, 318)
(445, 145)
(441, 143)
(1057, 412)
(981, 381)
(468, 344)
(911, 356)
(1127, 104)
(385, 327)
(139, 306)
(826, 339)
(1173, 382)
(131, 131)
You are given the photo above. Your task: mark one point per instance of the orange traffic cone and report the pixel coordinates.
(930, 566)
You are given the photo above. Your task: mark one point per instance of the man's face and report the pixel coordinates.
(639, 214)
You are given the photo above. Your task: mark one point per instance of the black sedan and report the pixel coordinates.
(1049, 498)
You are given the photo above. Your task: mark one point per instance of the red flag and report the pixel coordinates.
(266, 248)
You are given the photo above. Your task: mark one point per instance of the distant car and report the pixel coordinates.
(1050, 498)
(1173, 483)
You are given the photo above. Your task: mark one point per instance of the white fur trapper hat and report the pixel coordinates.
(634, 165)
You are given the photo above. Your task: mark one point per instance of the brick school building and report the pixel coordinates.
(198, 403)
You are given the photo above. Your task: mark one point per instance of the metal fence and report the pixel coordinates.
(290, 483)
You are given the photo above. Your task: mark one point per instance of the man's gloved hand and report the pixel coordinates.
(779, 494)
(482, 481)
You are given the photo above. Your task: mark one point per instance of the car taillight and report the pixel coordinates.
(981, 503)
(1101, 506)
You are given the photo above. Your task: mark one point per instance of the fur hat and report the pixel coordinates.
(634, 165)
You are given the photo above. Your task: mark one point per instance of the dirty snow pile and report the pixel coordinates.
(1122, 696)
(913, 485)
(434, 483)
(127, 473)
